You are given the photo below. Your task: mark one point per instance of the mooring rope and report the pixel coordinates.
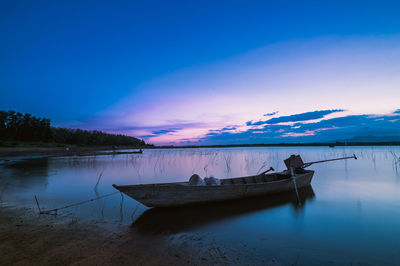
(71, 205)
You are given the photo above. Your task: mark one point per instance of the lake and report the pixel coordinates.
(350, 215)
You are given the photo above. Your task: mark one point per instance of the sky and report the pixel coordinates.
(206, 72)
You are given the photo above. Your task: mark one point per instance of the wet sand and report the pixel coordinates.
(27, 238)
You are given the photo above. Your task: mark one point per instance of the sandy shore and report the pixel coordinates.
(27, 238)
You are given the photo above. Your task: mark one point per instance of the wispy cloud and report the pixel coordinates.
(295, 118)
(271, 114)
(165, 131)
(161, 132)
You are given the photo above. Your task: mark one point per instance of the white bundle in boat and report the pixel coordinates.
(212, 181)
(196, 180)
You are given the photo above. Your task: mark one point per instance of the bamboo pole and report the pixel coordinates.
(329, 160)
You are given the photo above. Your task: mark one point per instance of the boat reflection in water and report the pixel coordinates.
(185, 218)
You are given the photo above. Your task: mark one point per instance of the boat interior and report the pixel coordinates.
(262, 178)
(256, 179)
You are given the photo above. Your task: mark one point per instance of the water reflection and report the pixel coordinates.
(29, 168)
(179, 219)
(26, 173)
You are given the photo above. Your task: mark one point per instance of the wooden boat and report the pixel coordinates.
(183, 193)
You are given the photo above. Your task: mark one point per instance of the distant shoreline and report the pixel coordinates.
(341, 144)
(8, 152)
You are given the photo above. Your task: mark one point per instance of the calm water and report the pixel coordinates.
(351, 215)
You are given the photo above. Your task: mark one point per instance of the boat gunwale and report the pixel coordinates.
(186, 183)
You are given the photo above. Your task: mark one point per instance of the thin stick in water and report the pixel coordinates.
(37, 203)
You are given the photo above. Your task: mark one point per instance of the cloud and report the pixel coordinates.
(347, 128)
(293, 134)
(228, 128)
(165, 131)
(160, 132)
(295, 118)
(222, 129)
(271, 114)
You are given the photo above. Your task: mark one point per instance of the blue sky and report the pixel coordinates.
(178, 71)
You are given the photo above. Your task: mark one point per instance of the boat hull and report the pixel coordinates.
(175, 194)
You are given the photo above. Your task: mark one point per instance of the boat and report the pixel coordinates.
(184, 193)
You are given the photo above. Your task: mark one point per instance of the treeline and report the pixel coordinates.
(15, 126)
(23, 127)
(92, 138)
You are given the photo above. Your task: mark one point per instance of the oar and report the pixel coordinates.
(343, 158)
(270, 169)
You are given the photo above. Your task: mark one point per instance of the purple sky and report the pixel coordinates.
(206, 72)
(360, 76)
